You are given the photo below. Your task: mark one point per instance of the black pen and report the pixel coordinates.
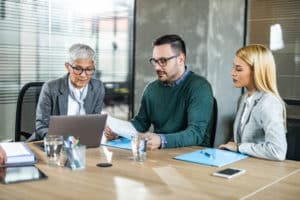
(206, 154)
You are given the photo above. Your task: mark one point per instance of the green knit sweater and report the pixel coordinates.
(181, 112)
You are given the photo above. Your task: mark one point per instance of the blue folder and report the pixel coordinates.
(212, 157)
(122, 143)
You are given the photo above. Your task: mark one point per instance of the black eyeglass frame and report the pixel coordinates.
(161, 61)
(87, 71)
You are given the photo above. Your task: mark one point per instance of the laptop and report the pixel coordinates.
(89, 128)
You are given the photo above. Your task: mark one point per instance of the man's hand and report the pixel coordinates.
(232, 146)
(109, 134)
(154, 141)
(3, 157)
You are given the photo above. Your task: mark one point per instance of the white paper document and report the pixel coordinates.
(18, 153)
(15, 149)
(121, 127)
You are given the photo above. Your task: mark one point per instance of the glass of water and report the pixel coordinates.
(139, 148)
(53, 145)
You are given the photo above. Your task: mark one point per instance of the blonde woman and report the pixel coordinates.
(259, 126)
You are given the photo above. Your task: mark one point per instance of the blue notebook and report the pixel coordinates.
(122, 143)
(212, 157)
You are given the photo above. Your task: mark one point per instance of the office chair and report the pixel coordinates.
(26, 107)
(293, 139)
(213, 123)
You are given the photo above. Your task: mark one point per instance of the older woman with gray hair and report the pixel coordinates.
(76, 93)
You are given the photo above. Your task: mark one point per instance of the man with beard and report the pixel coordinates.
(76, 93)
(179, 104)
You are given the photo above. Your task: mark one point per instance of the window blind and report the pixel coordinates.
(35, 36)
(276, 24)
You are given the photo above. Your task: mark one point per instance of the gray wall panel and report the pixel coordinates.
(212, 30)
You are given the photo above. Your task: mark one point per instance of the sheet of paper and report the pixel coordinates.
(121, 127)
(15, 149)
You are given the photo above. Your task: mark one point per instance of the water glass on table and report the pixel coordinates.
(139, 148)
(53, 145)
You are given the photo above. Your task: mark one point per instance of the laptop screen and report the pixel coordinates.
(89, 128)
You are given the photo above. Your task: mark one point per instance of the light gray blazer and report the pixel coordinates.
(263, 134)
(53, 100)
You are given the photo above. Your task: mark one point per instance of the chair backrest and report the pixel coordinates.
(26, 107)
(213, 123)
(293, 139)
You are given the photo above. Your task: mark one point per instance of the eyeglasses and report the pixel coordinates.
(78, 70)
(161, 61)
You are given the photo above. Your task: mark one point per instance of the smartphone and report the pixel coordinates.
(229, 172)
(10, 175)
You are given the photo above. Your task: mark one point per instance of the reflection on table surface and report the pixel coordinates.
(20, 173)
(159, 177)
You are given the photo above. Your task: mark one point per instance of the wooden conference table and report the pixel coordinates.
(159, 177)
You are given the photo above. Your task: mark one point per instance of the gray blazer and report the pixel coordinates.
(53, 100)
(263, 134)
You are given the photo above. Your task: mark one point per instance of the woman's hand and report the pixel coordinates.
(232, 146)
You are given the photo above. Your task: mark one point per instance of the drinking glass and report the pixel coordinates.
(139, 148)
(53, 145)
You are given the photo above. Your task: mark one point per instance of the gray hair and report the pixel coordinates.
(81, 51)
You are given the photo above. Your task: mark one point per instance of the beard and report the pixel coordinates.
(161, 75)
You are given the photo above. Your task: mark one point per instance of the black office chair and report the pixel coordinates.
(293, 139)
(26, 107)
(213, 123)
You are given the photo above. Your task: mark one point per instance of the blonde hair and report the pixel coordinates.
(261, 61)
